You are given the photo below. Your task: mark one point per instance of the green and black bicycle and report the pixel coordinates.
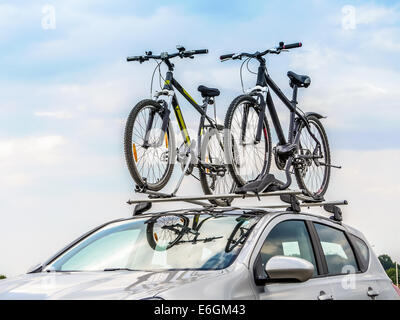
(150, 149)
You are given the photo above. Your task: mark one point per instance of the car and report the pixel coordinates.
(211, 253)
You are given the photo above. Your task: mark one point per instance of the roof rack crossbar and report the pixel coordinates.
(311, 204)
(193, 199)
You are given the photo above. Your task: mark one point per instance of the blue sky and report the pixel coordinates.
(66, 92)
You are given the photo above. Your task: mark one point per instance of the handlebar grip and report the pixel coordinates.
(134, 58)
(200, 51)
(292, 45)
(226, 56)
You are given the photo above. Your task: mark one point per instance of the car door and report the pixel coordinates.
(345, 265)
(289, 237)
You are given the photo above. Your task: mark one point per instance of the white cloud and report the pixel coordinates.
(57, 115)
(372, 14)
(21, 158)
(345, 89)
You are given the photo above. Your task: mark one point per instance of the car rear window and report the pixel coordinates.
(338, 253)
(363, 250)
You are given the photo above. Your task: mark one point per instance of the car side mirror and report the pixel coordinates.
(289, 269)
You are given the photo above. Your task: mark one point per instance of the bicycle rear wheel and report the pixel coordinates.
(150, 165)
(245, 158)
(215, 178)
(313, 170)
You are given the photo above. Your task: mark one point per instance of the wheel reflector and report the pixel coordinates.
(166, 140)
(134, 151)
(155, 237)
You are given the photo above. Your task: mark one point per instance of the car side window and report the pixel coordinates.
(363, 250)
(288, 238)
(337, 250)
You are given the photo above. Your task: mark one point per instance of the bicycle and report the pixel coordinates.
(149, 141)
(239, 233)
(306, 150)
(164, 232)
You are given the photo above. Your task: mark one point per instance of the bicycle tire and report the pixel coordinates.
(321, 190)
(131, 158)
(151, 235)
(229, 118)
(204, 175)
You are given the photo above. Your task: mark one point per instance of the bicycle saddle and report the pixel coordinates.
(208, 92)
(298, 80)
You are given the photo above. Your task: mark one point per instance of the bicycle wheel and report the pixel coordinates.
(312, 174)
(149, 165)
(235, 237)
(215, 177)
(164, 232)
(246, 159)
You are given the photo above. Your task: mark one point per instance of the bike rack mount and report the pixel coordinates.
(290, 197)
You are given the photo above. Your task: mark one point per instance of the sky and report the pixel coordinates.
(66, 91)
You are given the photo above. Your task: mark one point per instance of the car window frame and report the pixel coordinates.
(363, 268)
(352, 247)
(309, 219)
(270, 225)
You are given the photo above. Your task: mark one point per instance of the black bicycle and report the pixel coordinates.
(165, 231)
(248, 139)
(149, 142)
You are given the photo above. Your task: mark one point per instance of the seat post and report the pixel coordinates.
(294, 97)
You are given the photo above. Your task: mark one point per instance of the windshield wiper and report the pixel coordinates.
(118, 269)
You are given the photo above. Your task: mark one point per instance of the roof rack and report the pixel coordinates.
(291, 197)
(155, 197)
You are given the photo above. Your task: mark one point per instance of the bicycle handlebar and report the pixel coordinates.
(257, 54)
(166, 55)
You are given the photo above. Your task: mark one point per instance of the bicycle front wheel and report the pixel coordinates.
(246, 158)
(166, 231)
(313, 169)
(150, 162)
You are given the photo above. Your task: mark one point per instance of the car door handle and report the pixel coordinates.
(372, 293)
(324, 296)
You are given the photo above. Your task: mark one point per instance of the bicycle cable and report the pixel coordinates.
(152, 78)
(247, 66)
(241, 73)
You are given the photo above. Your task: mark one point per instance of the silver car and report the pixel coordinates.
(211, 254)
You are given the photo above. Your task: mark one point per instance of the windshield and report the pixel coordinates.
(203, 242)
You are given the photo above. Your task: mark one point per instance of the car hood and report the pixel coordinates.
(98, 285)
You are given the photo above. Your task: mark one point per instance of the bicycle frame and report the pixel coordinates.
(171, 83)
(264, 83)
(264, 80)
